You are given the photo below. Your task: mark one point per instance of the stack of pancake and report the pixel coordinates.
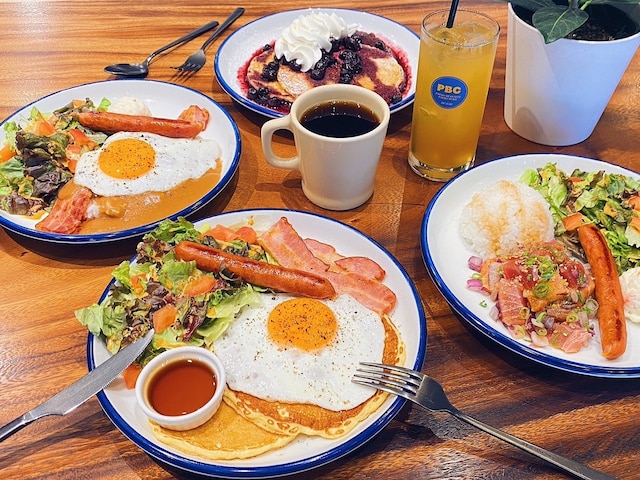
(246, 425)
(381, 72)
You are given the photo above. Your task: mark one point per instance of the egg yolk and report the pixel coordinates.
(302, 322)
(128, 158)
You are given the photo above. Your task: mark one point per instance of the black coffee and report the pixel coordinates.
(339, 119)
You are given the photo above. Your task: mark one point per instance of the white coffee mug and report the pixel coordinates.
(337, 173)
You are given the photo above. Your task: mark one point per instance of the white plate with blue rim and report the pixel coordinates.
(304, 453)
(165, 100)
(446, 256)
(237, 50)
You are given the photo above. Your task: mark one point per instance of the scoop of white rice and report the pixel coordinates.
(630, 285)
(130, 106)
(504, 216)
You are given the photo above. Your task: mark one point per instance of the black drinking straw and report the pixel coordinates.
(452, 13)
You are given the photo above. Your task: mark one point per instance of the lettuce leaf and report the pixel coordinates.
(11, 128)
(226, 311)
(12, 178)
(157, 278)
(603, 198)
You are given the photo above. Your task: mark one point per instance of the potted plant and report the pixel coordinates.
(564, 61)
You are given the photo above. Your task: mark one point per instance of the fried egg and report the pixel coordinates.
(131, 163)
(300, 350)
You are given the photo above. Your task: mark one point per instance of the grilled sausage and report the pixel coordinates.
(189, 124)
(611, 319)
(258, 273)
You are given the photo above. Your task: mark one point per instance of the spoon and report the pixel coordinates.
(142, 69)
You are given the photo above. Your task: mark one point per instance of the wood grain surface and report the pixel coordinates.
(48, 46)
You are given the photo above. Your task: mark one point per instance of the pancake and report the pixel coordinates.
(293, 419)
(381, 73)
(226, 436)
(295, 83)
(275, 83)
(258, 82)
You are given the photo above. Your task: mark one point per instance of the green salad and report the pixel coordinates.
(610, 201)
(200, 305)
(39, 153)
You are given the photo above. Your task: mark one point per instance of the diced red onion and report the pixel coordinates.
(475, 263)
(539, 341)
(548, 322)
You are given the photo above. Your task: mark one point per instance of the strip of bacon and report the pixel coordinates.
(290, 250)
(369, 292)
(338, 263)
(196, 115)
(68, 213)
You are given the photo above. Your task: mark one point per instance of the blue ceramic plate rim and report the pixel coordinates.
(92, 90)
(381, 418)
(227, 79)
(448, 201)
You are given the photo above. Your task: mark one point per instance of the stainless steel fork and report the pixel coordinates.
(197, 60)
(426, 392)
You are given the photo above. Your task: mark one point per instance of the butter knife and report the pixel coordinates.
(82, 390)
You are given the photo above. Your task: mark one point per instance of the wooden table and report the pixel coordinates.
(52, 45)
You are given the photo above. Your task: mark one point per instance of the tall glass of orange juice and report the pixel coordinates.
(454, 72)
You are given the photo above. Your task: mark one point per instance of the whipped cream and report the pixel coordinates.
(308, 35)
(630, 283)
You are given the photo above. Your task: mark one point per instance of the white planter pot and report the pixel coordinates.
(556, 93)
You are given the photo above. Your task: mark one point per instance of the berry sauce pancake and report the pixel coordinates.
(361, 59)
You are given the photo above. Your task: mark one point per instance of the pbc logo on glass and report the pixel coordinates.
(441, 87)
(449, 92)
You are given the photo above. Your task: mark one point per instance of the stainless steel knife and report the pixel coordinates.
(82, 390)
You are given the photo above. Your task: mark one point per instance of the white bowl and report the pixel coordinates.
(188, 420)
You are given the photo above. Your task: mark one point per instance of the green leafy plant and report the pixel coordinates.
(556, 20)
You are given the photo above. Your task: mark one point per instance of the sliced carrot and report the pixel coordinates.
(220, 232)
(635, 223)
(44, 128)
(6, 154)
(73, 150)
(131, 374)
(634, 202)
(80, 138)
(247, 234)
(226, 234)
(196, 116)
(573, 221)
(200, 285)
(136, 284)
(164, 318)
(71, 164)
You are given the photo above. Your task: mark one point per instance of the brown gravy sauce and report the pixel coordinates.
(131, 211)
